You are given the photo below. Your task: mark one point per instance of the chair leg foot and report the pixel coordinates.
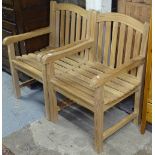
(53, 104)
(136, 106)
(47, 102)
(98, 127)
(15, 81)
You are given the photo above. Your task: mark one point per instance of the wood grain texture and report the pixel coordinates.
(147, 100)
(107, 43)
(60, 35)
(98, 85)
(114, 44)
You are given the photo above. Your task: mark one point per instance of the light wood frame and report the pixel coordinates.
(147, 99)
(91, 92)
(58, 40)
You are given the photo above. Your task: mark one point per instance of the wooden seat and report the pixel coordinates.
(74, 77)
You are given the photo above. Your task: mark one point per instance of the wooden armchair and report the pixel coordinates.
(112, 72)
(68, 25)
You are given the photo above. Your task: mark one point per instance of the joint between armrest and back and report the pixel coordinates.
(101, 79)
(25, 36)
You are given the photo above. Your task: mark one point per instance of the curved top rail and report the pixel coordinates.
(122, 18)
(72, 7)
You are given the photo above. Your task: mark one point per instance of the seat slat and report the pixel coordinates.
(62, 63)
(113, 91)
(70, 61)
(109, 96)
(30, 60)
(68, 80)
(83, 78)
(84, 72)
(72, 90)
(122, 83)
(117, 87)
(129, 78)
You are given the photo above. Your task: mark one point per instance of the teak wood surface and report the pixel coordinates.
(97, 64)
(111, 70)
(69, 24)
(147, 101)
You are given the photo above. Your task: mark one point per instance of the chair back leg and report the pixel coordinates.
(98, 119)
(137, 99)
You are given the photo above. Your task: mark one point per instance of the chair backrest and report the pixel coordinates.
(119, 38)
(68, 23)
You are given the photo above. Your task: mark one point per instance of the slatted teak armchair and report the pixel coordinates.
(68, 25)
(112, 71)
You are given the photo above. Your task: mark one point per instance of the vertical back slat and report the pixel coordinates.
(62, 28)
(57, 28)
(96, 40)
(52, 36)
(78, 27)
(72, 33)
(128, 44)
(114, 44)
(67, 27)
(107, 42)
(83, 33)
(121, 44)
(87, 37)
(92, 36)
(136, 49)
(100, 41)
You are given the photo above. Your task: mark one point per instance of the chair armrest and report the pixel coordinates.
(24, 36)
(61, 52)
(101, 79)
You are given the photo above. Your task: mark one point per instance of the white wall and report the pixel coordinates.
(99, 5)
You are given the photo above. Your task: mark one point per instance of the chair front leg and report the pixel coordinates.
(53, 103)
(15, 81)
(46, 93)
(98, 127)
(15, 78)
(98, 119)
(50, 93)
(137, 100)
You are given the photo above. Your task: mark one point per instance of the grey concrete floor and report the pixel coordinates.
(32, 134)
